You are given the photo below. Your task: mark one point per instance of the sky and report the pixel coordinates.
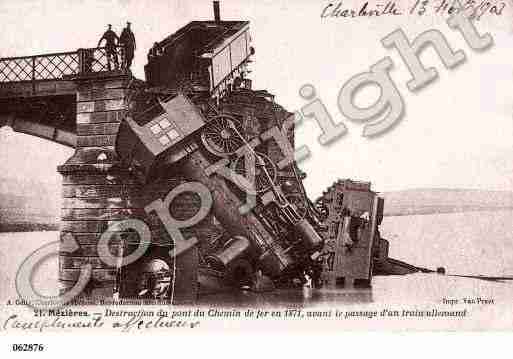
(457, 132)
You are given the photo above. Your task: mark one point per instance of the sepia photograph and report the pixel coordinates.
(302, 165)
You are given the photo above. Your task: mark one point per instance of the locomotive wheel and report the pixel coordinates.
(220, 138)
(261, 180)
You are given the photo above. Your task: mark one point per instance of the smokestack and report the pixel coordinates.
(217, 11)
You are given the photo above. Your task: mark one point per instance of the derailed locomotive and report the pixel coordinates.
(198, 119)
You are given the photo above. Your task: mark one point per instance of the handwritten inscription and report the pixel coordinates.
(476, 8)
(133, 319)
(367, 9)
(448, 7)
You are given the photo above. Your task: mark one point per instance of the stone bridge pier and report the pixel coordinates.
(99, 194)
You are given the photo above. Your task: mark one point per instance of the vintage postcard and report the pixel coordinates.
(173, 166)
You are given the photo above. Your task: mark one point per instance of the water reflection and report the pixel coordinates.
(306, 297)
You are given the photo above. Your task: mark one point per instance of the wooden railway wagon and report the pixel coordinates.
(203, 56)
(352, 213)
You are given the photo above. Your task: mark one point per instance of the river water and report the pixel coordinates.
(472, 243)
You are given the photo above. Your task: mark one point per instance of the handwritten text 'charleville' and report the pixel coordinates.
(477, 8)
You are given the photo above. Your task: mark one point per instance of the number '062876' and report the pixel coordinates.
(28, 347)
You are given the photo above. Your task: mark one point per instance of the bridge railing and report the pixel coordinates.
(100, 60)
(59, 66)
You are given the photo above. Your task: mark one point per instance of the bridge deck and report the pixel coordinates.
(38, 94)
(53, 74)
(36, 88)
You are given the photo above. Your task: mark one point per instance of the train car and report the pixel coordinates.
(202, 57)
(352, 213)
(162, 131)
(177, 126)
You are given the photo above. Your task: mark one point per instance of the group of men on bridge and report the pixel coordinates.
(127, 43)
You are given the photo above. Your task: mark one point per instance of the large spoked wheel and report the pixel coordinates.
(220, 136)
(262, 183)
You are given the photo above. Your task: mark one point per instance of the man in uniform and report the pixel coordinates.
(127, 40)
(111, 41)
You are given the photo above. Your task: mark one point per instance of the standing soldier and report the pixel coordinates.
(127, 39)
(111, 41)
